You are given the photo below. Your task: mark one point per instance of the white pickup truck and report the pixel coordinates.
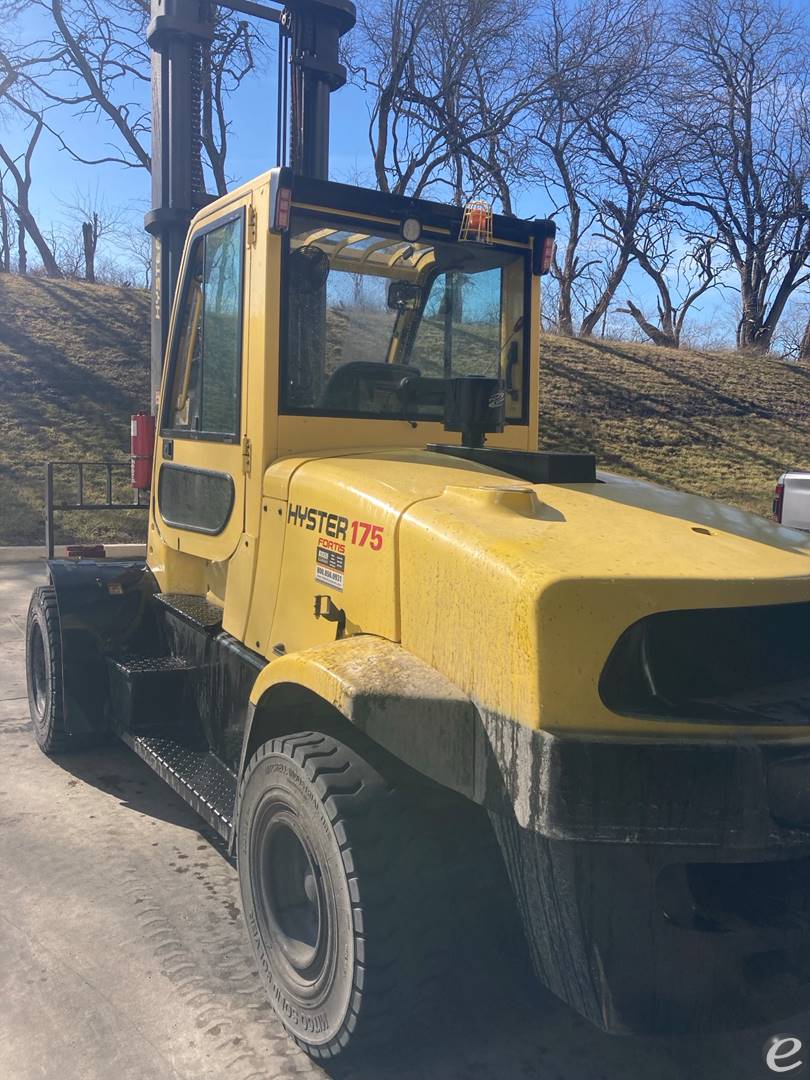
(791, 500)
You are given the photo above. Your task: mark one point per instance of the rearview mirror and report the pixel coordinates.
(403, 294)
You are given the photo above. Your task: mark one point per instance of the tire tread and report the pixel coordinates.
(54, 739)
(397, 886)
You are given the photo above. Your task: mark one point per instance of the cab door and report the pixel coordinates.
(200, 478)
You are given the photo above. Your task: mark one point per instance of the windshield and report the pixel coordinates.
(376, 324)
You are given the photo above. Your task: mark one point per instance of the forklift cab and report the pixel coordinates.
(314, 316)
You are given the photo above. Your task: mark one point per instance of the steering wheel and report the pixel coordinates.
(342, 391)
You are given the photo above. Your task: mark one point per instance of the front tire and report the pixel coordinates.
(343, 893)
(43, 668)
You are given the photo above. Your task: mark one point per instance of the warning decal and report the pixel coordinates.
(330, 562)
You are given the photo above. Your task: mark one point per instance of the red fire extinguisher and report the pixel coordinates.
(142, 432)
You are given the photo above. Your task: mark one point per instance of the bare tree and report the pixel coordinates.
(68, 250)
(739, 108)
(596, 65)
(229, 60)
(790, 337)
(139, 256)
(564, 47)
(95, 221)
(446, 85)
(624, 200)
(100, 48)
(19, 169)
(683, 267)
(803, 351)
(6, 230)
(93, 60)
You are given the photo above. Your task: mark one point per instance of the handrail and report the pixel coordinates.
(108, 504)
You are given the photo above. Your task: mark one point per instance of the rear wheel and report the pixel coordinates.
(344, 895)
(43, 663)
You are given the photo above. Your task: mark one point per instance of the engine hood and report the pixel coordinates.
(518, 592)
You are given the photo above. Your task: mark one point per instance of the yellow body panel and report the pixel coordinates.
(265, 584)
(175, 570)
(239, 586)
(345, 494)
(556, 585)
(299, 434)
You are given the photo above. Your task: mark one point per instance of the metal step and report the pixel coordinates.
(147, 693)
(148, 665)
(192, 609)
(197, 776)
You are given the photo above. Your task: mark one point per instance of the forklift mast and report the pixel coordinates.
(180, 32)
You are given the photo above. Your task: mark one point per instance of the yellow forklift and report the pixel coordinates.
(378, 634)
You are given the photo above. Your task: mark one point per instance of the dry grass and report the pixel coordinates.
(717, 424)
(74, 365)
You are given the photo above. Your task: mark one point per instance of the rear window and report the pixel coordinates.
(376, 325)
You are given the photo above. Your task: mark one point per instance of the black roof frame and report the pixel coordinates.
(357, 200)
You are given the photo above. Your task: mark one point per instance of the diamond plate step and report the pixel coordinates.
(147, 693)
(198, 777)
(147, 665)
(192, 609)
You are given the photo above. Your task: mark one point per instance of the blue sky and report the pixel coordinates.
(251, 149)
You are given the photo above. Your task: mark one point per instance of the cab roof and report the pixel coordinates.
(346, 197)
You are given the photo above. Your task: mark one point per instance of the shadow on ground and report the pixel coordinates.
(112, 768)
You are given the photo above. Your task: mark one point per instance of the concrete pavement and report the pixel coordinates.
(122, 955)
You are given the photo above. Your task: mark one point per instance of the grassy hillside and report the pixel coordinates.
(715, 424)
(74, 365)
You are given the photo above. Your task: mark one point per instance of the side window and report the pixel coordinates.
(208, 343)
